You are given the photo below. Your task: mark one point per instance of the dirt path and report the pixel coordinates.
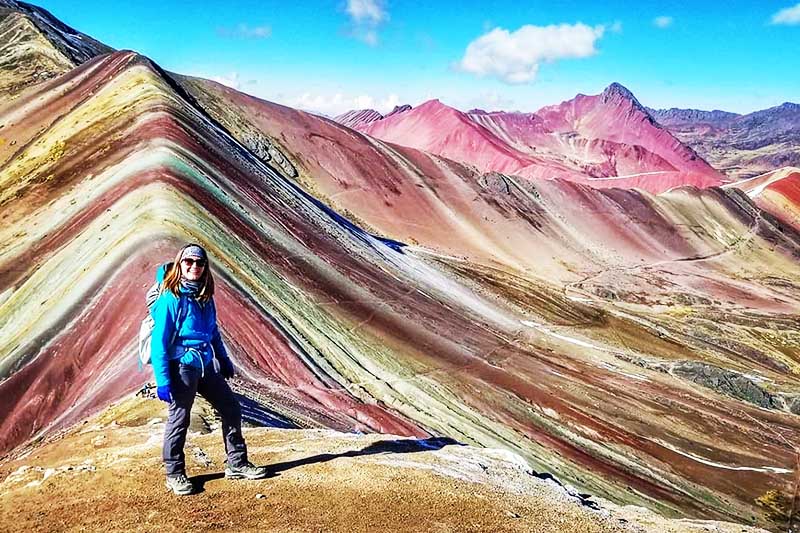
(106, 475)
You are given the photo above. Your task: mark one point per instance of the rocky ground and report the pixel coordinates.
(105, 474)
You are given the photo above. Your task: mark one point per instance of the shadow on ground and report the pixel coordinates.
(383, 446)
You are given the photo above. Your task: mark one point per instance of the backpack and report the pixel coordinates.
(146, 328)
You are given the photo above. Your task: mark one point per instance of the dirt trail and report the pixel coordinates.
(105, 475)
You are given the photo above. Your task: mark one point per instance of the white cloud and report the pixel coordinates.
(366, 16)
(246, 32)
(338, 103)
(369, 11)
(388, 103)
(514, 57)
(662, 22)
(789, 16)
(616, 27)
(231, 80)
(363, 101)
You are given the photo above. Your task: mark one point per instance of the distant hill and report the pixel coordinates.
(361, 117)
(675, 117)
(740, 145)
(608, 140)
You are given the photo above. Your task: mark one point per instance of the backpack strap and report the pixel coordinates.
(152, 294)
(146, 329)
(182, 312)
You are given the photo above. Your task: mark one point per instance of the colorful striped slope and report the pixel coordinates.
(640, 347)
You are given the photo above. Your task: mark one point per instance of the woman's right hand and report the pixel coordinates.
(164, 393)
(225, 368)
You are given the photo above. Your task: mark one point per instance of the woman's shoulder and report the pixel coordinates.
(166, 299)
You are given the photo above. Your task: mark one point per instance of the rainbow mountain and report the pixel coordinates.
(641, 347)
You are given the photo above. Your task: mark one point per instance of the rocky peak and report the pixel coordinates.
(398, 109)
(432, 103)
(617, 91)
(358, 117)
(74, 45)
(674, 115)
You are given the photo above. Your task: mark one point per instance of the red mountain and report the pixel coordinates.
(603, 140)
(442, 130)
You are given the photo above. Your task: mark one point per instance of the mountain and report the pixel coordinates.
(35, 46)
(616, 115)
(608, 140)
(442, 130)
(112, 139)
(676, 117)
(639, 347)
(742, 146)
(777, 192)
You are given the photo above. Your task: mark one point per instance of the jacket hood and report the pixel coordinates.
(161, 273)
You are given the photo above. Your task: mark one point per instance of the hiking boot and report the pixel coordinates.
(246, 471)
(179, 484)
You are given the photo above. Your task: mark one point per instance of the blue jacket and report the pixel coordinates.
(197, 341)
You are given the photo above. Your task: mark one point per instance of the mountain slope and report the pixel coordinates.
(26, 57)
(437, 128)
(387, 187)
(777, 192)
(137, 173)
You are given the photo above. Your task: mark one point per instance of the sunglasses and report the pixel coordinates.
(190, 262)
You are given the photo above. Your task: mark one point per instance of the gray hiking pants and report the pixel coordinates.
(185, 382)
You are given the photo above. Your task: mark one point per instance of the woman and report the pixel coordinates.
(188, 357)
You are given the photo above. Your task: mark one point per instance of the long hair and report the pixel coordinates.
(172, 281)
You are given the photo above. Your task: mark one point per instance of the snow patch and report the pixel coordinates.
(632, 175)
(565, 338)
(702, 460)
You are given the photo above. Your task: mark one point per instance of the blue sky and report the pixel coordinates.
(343, 54)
